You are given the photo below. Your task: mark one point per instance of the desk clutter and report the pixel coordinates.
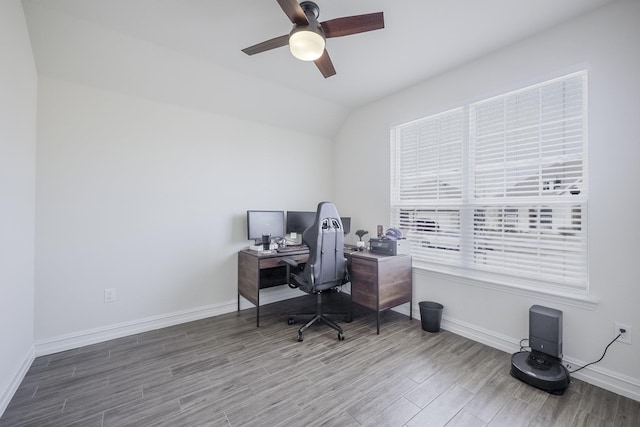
(272, 229)
(287, 249)
(388, 246)
(260, 248)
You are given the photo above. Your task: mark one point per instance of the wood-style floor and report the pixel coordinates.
(223, 371)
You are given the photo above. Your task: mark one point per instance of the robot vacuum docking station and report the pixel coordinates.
(542, 367)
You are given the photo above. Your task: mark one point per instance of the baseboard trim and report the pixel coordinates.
(607, 379)
(119, 330)
(96, 335)
(484, 336)
(92, 336)
(601, 377)
(19, 375)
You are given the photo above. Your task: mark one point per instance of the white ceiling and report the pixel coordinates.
(188, 52)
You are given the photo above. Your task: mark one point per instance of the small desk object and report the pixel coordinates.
(260, 270)
(380, 282)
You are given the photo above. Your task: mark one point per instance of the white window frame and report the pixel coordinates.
(488, 206)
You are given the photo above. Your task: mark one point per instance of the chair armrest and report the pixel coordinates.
(290, 262)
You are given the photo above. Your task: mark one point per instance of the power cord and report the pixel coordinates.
(602, 357)
(526, 348)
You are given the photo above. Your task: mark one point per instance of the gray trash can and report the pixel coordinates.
(430, 315)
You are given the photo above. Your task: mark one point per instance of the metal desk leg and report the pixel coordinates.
(258, 311)
(378, 322)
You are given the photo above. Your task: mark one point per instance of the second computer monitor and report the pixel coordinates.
(298, 221)
(346, 224)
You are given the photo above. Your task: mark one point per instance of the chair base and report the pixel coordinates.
(318, 316)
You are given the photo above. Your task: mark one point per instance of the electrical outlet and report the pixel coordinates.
(626, 335)
(110, 295)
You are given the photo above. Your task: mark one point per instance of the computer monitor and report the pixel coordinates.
(260, 223)
(298, 221)
(346, 224)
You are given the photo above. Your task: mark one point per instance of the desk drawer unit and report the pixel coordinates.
(381, 282)
(259, 270)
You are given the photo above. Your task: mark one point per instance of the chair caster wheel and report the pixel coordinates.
(340, 336)
(291, 321)
(300, 338)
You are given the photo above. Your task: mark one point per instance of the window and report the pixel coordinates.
(497, 189)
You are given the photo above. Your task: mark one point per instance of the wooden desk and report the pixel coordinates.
(259, 270)
(380, 282)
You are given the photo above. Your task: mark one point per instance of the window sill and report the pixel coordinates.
(522, 289)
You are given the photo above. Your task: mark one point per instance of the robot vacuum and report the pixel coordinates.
(542, 366)
(541, 371)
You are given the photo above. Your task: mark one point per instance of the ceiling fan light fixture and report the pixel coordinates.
(306, 40)
(306, 43)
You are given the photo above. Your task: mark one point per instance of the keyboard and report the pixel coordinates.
(286, 249)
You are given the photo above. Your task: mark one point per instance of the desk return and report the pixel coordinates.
(380, 282)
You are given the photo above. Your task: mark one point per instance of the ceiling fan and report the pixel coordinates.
(307, 38)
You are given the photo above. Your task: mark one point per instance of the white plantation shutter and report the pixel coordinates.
(508, 199)
(427, 181)
(527, 166)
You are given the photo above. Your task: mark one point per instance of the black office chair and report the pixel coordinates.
(326, 267)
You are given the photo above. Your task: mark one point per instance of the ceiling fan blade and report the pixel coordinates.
(267, 45)
(353, 24)
(325, 65)
(293, 10)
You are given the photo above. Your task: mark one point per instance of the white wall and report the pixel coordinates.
(605, 43)
(18, 91)
(151, 199)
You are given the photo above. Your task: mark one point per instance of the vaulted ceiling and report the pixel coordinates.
(188, 52)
